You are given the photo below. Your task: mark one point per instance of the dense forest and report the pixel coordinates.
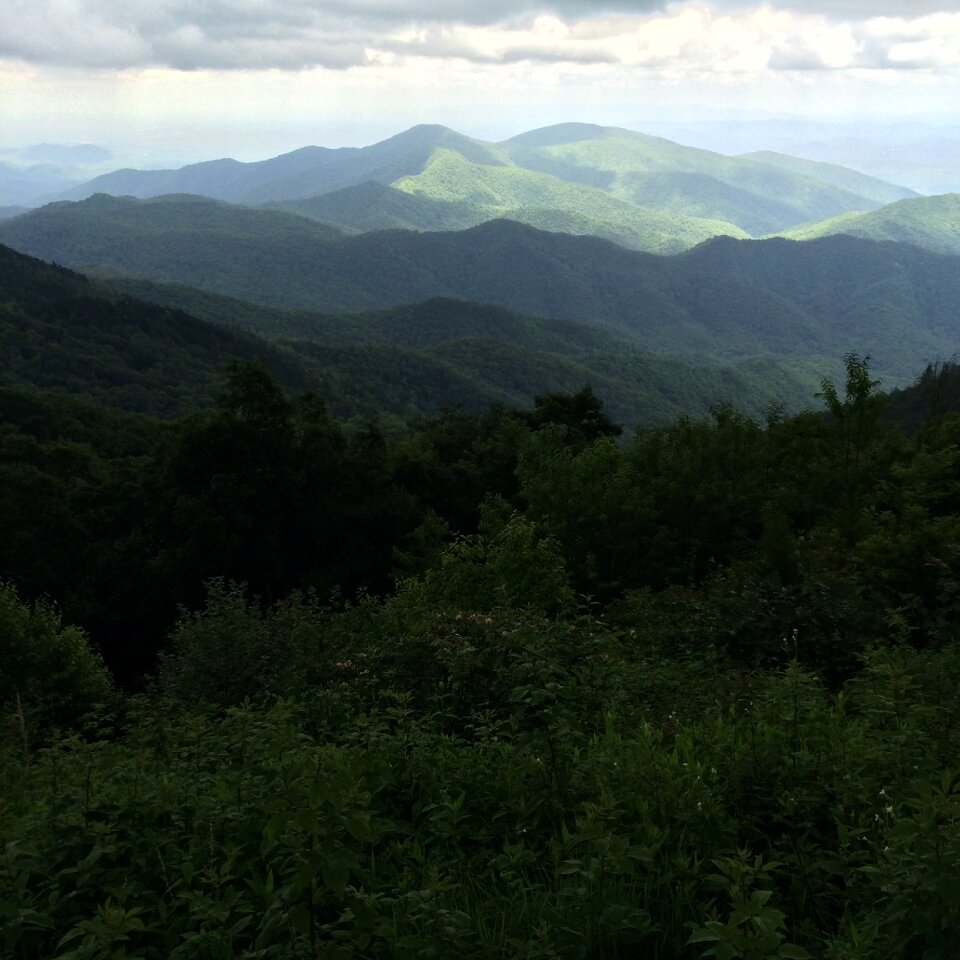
(725, 301)
(162, 354)
(506, 683)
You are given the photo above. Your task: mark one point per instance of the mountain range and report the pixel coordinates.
(641, 191)
(64, 333)
(724, 301)
(433, 268)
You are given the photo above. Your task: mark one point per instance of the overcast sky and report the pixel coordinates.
(194, 79)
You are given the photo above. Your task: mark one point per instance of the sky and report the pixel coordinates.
(182, 80)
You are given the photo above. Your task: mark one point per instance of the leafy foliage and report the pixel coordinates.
(546, 790)
(51, 676)
(695, 691)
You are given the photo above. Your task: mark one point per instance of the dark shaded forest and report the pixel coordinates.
(507, 684)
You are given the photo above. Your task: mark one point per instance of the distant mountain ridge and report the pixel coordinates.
(60, 332)
(724, 301)
(874, 189)
(642, 191)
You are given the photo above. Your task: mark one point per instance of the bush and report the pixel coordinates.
(233, 649)
(51, 677)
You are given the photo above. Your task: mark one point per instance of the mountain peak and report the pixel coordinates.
(423, 134)
(559, 133)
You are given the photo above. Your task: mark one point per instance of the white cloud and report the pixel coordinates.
(726, 36)
(298, 66)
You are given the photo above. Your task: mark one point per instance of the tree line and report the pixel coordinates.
(124, 521)
(506, 684)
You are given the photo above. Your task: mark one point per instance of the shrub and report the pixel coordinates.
(51, 676)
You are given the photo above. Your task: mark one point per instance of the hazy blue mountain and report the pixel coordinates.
(872, 188)
(924, 159)
(25, 185)
(306, 172)
(76, 154)
(917, 154)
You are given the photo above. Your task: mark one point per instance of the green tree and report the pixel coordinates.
(855, 432)
(51, 676)
(224, 484)
(580, 415)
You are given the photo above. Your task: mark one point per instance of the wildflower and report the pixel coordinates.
(888, 809)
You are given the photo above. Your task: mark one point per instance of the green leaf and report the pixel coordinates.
(707, 934)
(790, 951)
(358, 828)
(335, 875)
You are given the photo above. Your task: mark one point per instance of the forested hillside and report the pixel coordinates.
(725, 300)
(64, 333)
(597, 697)
(538, 201)
(932, 223)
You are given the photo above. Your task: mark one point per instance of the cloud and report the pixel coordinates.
(723, 36)
(184, 34)
(851, 10)
(286, 34)
(547, 39)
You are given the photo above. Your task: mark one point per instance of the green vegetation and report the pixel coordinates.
(692, 694)
(69, 335)
(724, 301)
(414, 359)
(60, 332)
(551, 203)
(492, 679)
(929, 222)
(665, 176)
(641, 191)
(50, 674)
(377, 206)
